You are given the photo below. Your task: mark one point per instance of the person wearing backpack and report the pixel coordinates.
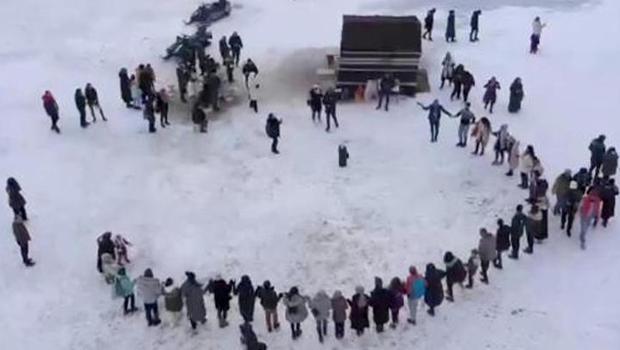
(455, 273)
(415, 288)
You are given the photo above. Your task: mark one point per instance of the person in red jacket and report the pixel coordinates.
(589, 212)
(51, 108)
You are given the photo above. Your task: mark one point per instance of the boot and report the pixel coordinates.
(528, 250)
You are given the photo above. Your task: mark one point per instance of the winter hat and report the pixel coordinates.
(337, 294)
(148, 273)
(190, 275)
(448, 257)
(267, 284)
(169, 282)
(568, 172)
(121, 271)
(573, 185)
(483, 231)
(293, 291)
(378, 282)
(413, 270)
(474, 252)
(359, 290)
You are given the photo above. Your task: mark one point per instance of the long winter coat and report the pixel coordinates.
(610, 163)
(316, 98)
(502, 238)
(527, 163)
(597, 151)
(320, 305)
(125, 84)
(516, 96)
(173, 299)
(80, 100)
(20, 232)
(434, 289)
(608, 198)
(518, 223)
(149, 289)
(513, 157)
(380, 301)
(561, 186)
(450, 28)
(359, 311)
(481, 133)
(247, 298)
(296, 310)
(487, 247)
(194, 301)
(339, 308)
(534, 223)
(273, 127)
(221, 293)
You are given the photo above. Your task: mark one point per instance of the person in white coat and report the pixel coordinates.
(537, 27)
(254, 94)
(320, 306)
(527, 166)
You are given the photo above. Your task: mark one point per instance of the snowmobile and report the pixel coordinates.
(185, 45)
(210, 12)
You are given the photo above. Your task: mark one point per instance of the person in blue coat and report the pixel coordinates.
(434, 115)
(123, 287)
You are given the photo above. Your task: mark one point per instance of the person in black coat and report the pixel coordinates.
(434, 289)
(458, 77)
(125, 83)
(573, 199)
(199, 118)
(92, 99)
(162, 106)
(269, 300)
(516, 231)
(380, 301)
(455, 273)
(247, 297)
(221, 291)
(597, 153)
(149, 113)
(386, 85)
(236, 45)
(359, 310)
(502, 242)
(224, 49)
(583, 179)
(343, 156)
(451, 28)
(17, 202)
(105, 245)
(474, 23)
(608, 194)
(273, 131)
(183, 77)
(315, 102)
(80, 103)
(467, 79)
(248, 68)
(428, 25)
(434, 116)
(516, 96)
(329, 101)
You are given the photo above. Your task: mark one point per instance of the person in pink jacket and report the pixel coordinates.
(589, 212)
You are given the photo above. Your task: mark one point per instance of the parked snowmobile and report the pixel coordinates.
(211, 12)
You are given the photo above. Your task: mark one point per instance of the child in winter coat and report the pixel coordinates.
(120, 243)
(173, 302)
(415, 289)
(339, 313)
(434, 290)
(398, 291)
(321, 305)
(472, 267)
(123, 287)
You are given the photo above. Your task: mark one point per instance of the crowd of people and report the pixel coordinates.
(589, 193)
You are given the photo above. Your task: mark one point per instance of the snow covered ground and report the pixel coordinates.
(221, 203)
